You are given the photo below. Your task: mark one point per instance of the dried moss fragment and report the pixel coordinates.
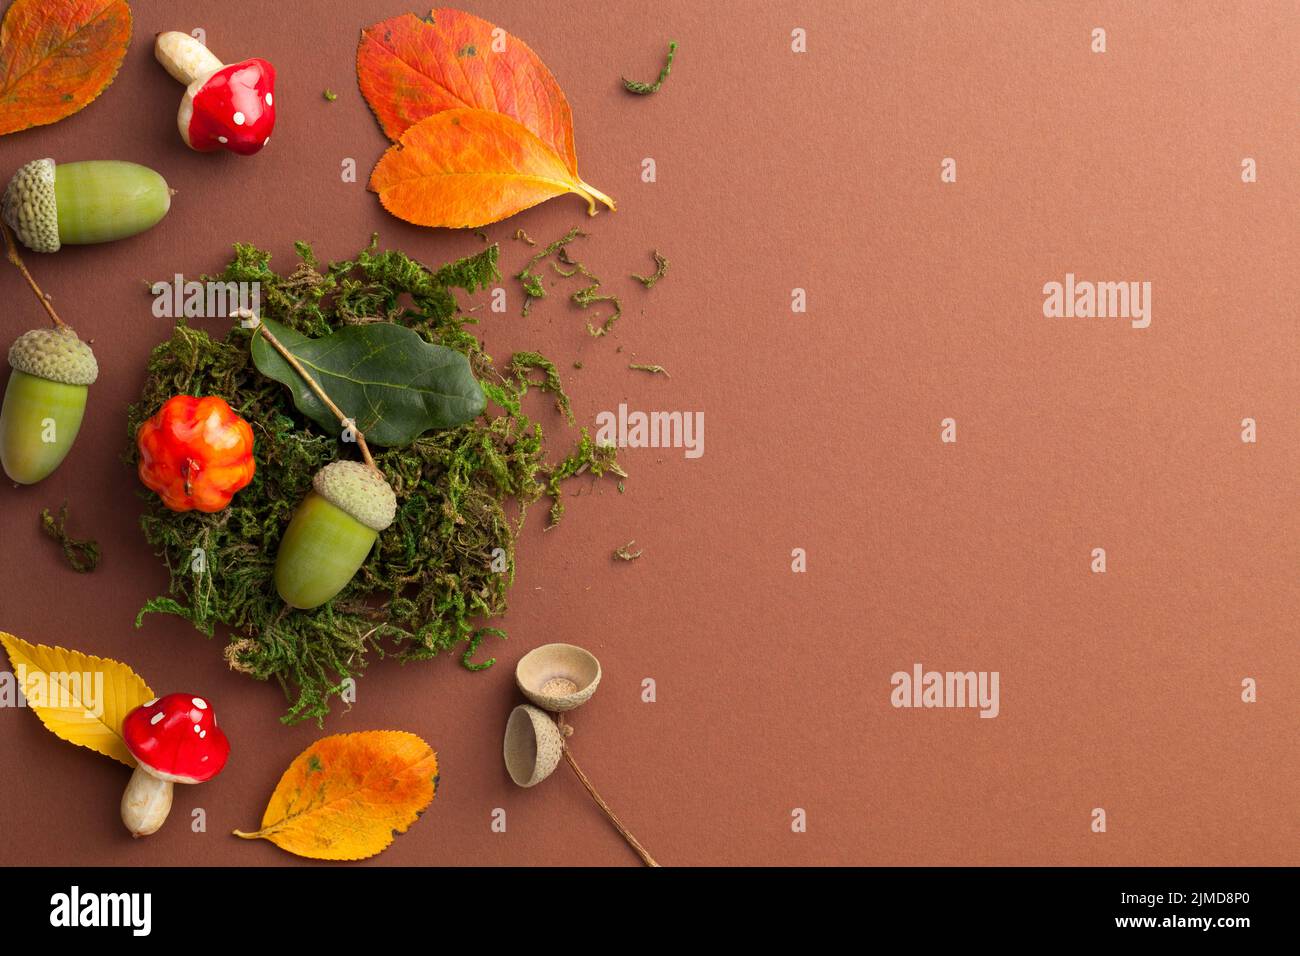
(81, 554)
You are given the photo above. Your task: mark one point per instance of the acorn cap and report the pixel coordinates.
(30, 207)
(533, 746)
(54, 354)
(359, 490)
(558, 677)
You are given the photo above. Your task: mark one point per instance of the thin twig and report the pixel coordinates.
(312, 384)
(12, 247)
(632, 841)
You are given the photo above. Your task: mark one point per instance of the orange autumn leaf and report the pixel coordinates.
(469, 167)
(345, 796)
(56, 56)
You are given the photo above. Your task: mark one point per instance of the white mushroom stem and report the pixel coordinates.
(146, 802)
(184, 57)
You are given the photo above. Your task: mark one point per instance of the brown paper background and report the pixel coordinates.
(776, 171)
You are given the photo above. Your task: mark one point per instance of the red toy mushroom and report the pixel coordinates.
(174, 739)
(225, 107)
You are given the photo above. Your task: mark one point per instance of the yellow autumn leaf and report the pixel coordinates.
(345, 796)
(78, 697)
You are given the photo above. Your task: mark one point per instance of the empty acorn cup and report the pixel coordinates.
(558, 677)
(533, 746)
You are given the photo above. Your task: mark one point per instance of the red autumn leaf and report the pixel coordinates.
(410, 68)
(56, 56)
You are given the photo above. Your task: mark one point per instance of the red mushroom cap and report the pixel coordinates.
(176, 738)
(233, 108)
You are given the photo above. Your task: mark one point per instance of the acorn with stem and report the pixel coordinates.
(45, 399)
(335, 527)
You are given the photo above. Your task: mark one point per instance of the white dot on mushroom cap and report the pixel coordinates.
(200, 703)
(222, 140)
(239, 119)
(266, 141)
(268, 99)
(202, 734)
(155, 719)
(150, 703)
(198, 729)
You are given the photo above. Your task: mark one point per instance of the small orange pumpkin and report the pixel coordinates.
(196, 453)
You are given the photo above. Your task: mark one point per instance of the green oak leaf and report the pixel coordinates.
(392, 383)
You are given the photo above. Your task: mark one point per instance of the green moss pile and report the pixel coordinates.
(436, 574)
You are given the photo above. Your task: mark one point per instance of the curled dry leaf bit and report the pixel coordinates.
(346, 796)
(653, 369)
(626, 553)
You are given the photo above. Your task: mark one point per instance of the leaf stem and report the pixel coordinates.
(312, 384)
(12, 248)
(592, 195)
(632, 841)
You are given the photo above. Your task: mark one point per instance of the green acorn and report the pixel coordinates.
(331, 533)
(48, 205)
(44, 401)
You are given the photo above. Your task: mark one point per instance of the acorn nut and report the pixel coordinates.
(48, 205)
(44, 401)
(331, 533)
